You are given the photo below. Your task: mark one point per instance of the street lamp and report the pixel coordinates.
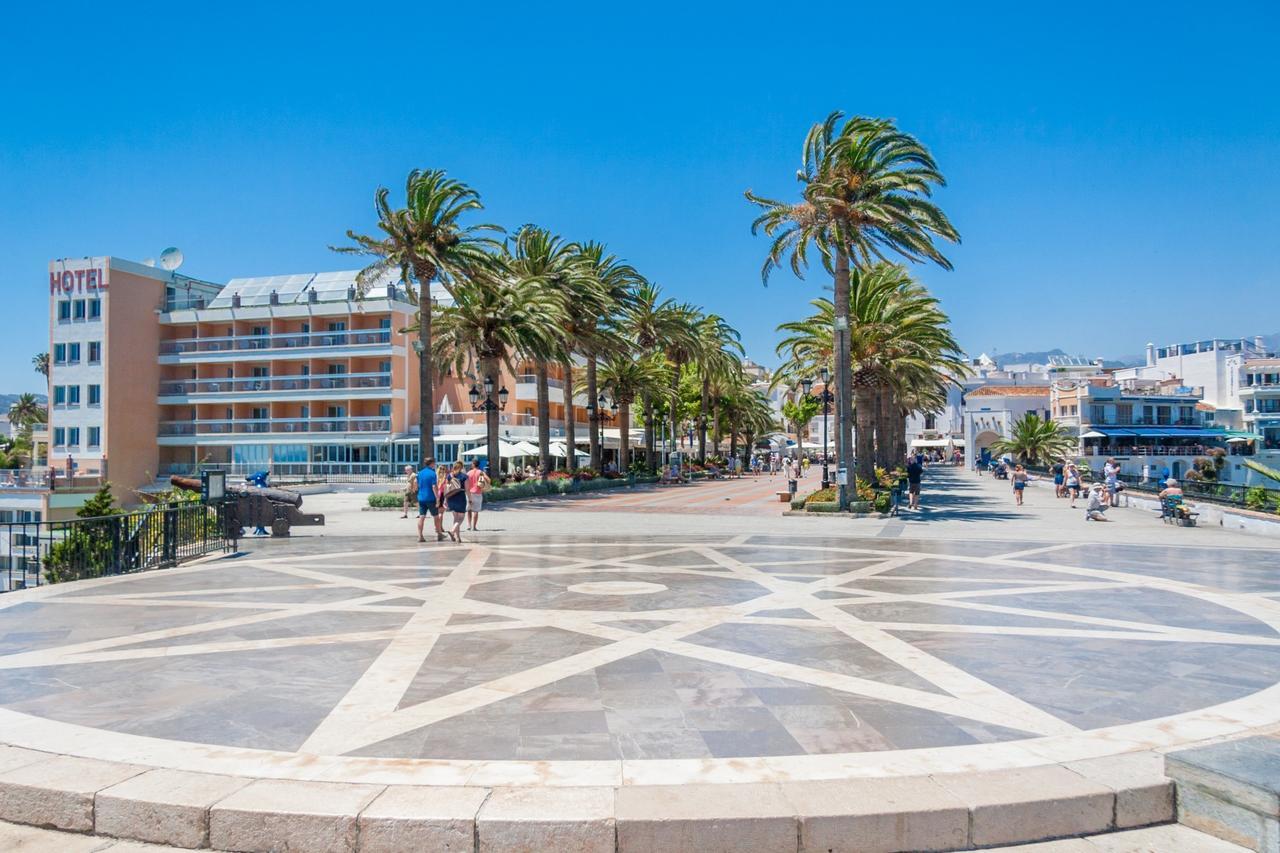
(488, 404)
(827, 398)
(596, 414)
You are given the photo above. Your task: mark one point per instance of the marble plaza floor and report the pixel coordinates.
(643, 657)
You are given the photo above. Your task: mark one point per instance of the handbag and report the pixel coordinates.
(452, 487)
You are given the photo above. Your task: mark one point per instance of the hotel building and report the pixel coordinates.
(153, 372)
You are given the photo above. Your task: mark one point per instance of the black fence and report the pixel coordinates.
(37, 553)
(1258, 498)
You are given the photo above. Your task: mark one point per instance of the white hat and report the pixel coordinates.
(1171, 482)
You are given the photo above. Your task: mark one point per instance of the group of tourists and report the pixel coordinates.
(446, 488)
(776, 463)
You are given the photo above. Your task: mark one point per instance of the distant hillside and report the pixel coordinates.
(1006, 358)
(7, 400)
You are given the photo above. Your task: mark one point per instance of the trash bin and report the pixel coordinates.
(791, 487)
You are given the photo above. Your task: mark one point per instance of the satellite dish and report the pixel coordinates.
(171, 258)
(149, 262)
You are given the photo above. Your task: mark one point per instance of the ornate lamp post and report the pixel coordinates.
(596, 414)
(490, 407)
(827, 398)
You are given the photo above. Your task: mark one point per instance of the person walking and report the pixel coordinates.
(477, 483)
(1059, 478)
(915, 472)
(427, 502)
(804, 466)
(1072, 483)
(410, 490)
(453, 497)
(1020, 479)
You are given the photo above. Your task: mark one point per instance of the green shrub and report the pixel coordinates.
(883, 501)
(823, 496)
(383, 500)
(860, 506)
(1256, 498)
(822, 506)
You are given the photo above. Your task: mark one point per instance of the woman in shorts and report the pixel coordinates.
(1019, 478)
(453, 497)
(1073, 482)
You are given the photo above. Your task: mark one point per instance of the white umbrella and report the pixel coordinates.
(1093, 433)
(505, 450)
(559, 451)
(525, 448)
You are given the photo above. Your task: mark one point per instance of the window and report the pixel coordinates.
(1124, 413)
(95, 309)
(384, 323)
(59, 353)
(64, 312)
(78, 309)
(384, 410)
(73, 436)
(59, 437)
(95, 395)
(1098, 414)
(95, 436)
(259, 413)
(260, 372)
(337, 369)
(73, 395)
(73, 353)
(95, 352)
(931, 422)
(385, 367)
(59, 395)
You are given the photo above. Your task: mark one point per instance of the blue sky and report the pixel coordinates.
(1113, 168)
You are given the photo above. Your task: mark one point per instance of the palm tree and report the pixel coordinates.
(493, 319)
(1033, 440)
(425, 240)
(40, 363)
(628, 379)
(26, 410)
(719, 356)
(747, 413)
(596, 334)
(658, 326)
(864, 197)
(535, 255)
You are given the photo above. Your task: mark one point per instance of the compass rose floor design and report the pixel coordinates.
(644, 659)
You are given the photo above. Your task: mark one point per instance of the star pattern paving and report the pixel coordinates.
(600, 648)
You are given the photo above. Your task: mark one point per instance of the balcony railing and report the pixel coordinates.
(259, 384)
(532, 378)
(293, 340)
(24, 478)
(240, 426)
(1127, 422)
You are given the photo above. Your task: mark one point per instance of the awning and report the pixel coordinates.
(1244, 436)
(559, 451)
(525, 448)
(1155, 432)
(937, 442)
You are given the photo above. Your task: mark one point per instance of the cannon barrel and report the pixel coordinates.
(238, 489)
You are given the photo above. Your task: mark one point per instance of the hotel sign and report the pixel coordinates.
(66, 281)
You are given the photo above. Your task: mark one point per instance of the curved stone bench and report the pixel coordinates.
(954, 811)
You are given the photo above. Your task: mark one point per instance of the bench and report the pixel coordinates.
(1174, 511)
(784, 496)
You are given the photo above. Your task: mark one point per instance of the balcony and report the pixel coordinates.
(252, 426)
(266, 385)
(279, 343)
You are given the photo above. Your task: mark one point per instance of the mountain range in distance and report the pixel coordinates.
(7, 400)
(1271, 342)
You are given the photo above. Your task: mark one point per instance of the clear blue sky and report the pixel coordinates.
(1113, 168)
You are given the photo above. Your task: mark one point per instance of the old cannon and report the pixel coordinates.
(250, 506)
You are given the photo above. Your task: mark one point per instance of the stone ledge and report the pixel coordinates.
(942, 812)
(1240, 772)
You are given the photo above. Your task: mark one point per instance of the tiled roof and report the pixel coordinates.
(1206, 407)
(1010, 391)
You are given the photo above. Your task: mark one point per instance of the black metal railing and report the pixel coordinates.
(43, 552)
(1256, 497)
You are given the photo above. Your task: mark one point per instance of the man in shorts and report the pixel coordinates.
(477, 482)
(427, 499)
(915, 471)
(1059, 478)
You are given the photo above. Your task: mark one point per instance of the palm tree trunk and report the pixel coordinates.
(843, 380)
(544, 417)
(489, 367)
(885, 442)
(715, 433)
(675, 405)
(624, 436)
(594, 437)
(702, 420)
(733, 445)
(864, 409)
(900, 434)
(649, 453)
(426, 396)
(570, 432)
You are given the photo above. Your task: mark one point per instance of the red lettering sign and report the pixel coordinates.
(77, 281)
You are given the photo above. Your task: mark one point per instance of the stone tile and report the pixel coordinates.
(1030, 804)
(877, 815)
(58, 792)
(1201, 810)
(420, 818)
(707, 818)
(1172, 838)
(1144, 795)
(15, 838)
(12, 757)
(270, 815)
(163, 806)
(567, 820)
